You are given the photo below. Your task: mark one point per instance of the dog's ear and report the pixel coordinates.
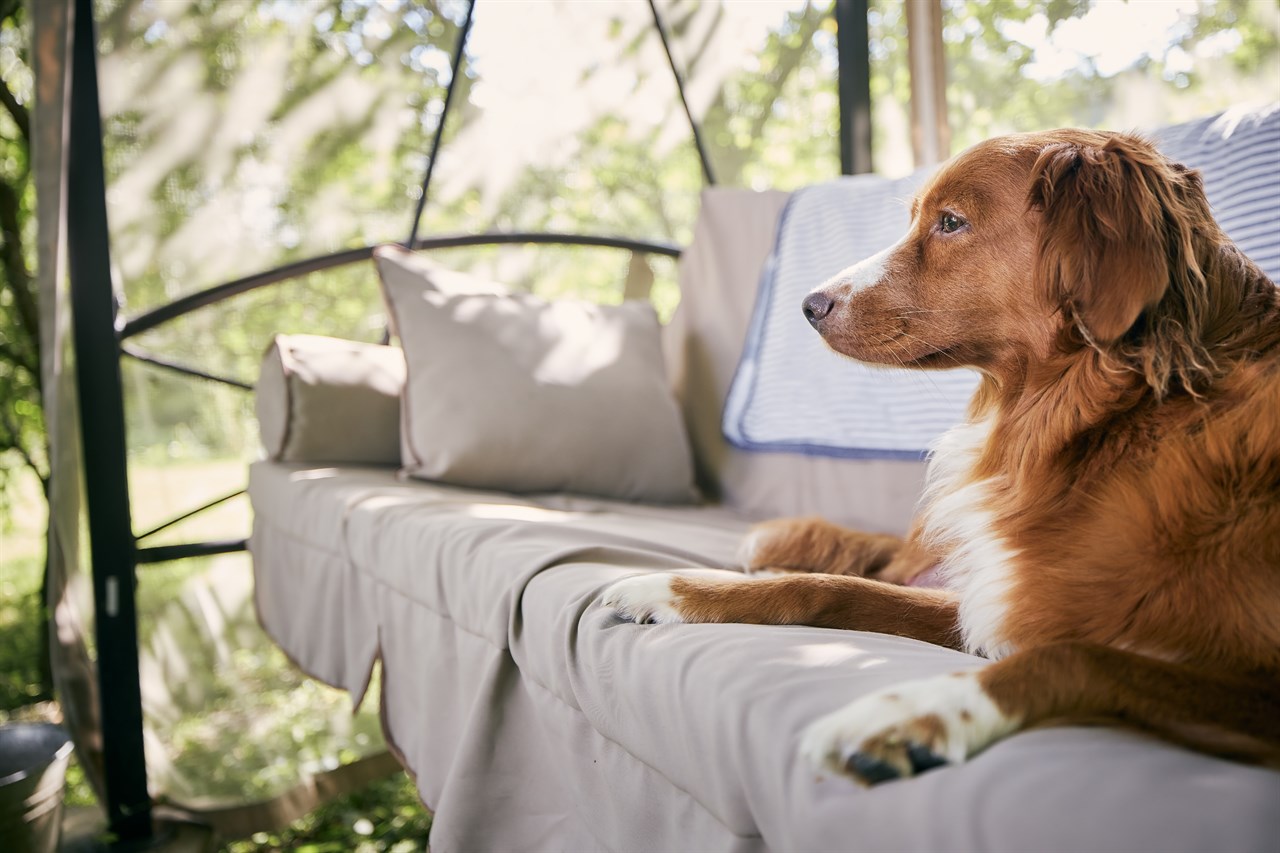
(1103, 253)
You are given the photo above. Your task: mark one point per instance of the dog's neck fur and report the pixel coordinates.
(1071, 405)
(1038, 438)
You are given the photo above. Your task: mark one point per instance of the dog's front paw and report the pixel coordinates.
(783, 546)
(907, 729)
(797, 545)
(645, 599)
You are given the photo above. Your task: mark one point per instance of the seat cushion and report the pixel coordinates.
(531, 716)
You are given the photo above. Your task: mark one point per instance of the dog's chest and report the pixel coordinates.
(959, 524)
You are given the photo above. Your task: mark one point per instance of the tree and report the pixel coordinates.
(23, 444)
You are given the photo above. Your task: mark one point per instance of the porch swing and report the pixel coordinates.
(108, 719)
(528, 714)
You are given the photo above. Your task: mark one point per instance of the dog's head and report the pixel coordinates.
(1029, 246)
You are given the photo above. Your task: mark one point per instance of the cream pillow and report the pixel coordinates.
(323, 399)
(508, 391)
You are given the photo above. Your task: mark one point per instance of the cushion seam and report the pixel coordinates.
(528, 677)
(281, 530)
(440, 613)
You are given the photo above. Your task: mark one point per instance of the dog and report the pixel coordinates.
(1107, 518)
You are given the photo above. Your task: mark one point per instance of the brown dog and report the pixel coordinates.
(1107, 519)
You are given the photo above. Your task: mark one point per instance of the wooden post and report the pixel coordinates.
(930, 130)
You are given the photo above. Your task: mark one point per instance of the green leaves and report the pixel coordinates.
(386, 816)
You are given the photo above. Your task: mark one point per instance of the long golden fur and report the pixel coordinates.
(1126, 459)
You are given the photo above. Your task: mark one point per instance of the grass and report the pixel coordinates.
(385, 816)
(20, 691)
(251, 688)
(20, 632)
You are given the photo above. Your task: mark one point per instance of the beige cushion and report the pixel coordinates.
(327, 400)
(719, 276)
(509, 391)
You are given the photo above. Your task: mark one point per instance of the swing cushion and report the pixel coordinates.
(509, 391)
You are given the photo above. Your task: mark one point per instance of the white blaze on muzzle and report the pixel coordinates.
(858, 277)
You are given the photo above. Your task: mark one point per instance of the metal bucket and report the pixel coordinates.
(33, 770)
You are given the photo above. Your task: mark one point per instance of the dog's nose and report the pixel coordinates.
(816, 306)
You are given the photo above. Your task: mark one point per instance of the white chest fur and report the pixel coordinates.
(958, 523)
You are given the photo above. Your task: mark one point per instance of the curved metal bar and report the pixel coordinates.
(458, 53)
(148, 358)
(165, 553)
(200, 299)
(675, 72)
(501, 239)
(171, 522)
(213, 295)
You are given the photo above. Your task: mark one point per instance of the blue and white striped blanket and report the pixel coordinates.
(1238, 153)
(791, 393)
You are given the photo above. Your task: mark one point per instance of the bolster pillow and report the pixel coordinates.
(323, 399)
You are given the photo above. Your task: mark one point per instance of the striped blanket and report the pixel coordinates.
(791, 393)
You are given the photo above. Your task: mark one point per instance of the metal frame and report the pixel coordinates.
(100, 337)
(106, 475)
(297, 269)
(853, 35)
(455, 66)
(703, 156)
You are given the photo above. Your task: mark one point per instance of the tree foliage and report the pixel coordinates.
(991, 90)
(22, 441)
(23, 445)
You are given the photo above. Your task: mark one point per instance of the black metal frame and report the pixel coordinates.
(100, 336)
(106, 475)
(703, 156)
(853, 36)
(455, 65)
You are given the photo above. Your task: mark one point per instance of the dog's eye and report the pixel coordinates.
(949, 222)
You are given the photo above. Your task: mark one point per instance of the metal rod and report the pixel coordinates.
(853, 38)
(200, 299)
(458, 53)
(144, 356)
(501, 239)
(675, 72)
(213, 295)
(167, 553)
(171, 522)
(102, 431)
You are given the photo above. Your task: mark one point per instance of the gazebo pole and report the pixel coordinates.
(854, 78)
(102, 430)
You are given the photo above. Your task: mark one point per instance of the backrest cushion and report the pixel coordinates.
(719, 277)
(327, 400)
(508, 391)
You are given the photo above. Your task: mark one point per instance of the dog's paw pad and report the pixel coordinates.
(870, 770)
(922, 758)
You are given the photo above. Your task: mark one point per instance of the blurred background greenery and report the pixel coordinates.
(241, 136)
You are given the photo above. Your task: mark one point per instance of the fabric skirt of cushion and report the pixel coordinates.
(308, 595)
(534, 719)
